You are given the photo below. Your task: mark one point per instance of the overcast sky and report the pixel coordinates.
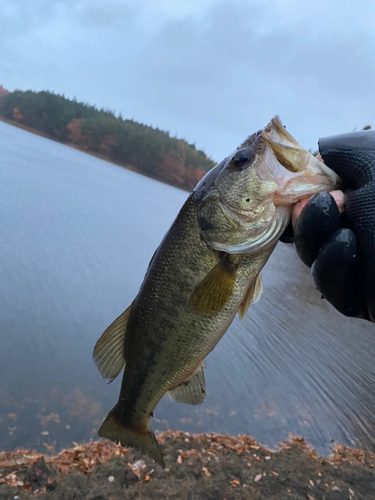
(209, 71)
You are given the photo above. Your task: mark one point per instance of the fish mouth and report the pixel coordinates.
(291, 156)
(285, 148)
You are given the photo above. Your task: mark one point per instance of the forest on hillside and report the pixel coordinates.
(126, 142)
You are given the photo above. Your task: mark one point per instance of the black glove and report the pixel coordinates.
(341, 249)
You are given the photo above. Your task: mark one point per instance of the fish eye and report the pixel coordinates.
(243, 158)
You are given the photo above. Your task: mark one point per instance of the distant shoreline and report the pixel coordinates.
(92, 153)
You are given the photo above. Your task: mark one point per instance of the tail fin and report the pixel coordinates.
(142, 439)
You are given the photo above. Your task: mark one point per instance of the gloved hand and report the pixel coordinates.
(341, 249)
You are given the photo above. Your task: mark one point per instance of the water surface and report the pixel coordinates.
(76, 237)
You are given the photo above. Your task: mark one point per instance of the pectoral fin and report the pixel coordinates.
(214, 291)
(109, 350)
(192, 391)
(252, 295)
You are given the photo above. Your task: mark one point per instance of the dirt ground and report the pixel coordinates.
(199, 467)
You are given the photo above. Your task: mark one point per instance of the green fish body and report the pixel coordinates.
(205, 271)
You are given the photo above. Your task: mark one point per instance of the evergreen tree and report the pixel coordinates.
(127, 142)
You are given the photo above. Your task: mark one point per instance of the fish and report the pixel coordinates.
(204, 272)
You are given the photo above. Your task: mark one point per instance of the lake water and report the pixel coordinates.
(76, 236)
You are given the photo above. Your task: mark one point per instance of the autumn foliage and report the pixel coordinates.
(74, 129)
(17, 116)
(126, 142)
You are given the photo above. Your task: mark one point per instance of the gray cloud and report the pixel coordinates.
(211, 72)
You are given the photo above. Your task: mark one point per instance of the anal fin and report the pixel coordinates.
(109, 350)
(251, 296)
(192, 390)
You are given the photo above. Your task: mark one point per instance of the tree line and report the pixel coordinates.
(127, 142)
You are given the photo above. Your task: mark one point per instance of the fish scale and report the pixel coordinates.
(195, 335)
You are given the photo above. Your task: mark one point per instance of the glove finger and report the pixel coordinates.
(351, 156)
(337, 277)
(319, 219)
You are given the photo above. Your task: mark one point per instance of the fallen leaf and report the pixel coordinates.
(206, 471)
(138, 467)
(45, 419)
(50, 447)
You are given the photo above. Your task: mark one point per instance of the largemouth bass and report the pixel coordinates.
(205, 271)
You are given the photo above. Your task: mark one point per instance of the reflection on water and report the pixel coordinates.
(76, 237)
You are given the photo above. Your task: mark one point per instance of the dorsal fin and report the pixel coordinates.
(109, 350)
(251, 296)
